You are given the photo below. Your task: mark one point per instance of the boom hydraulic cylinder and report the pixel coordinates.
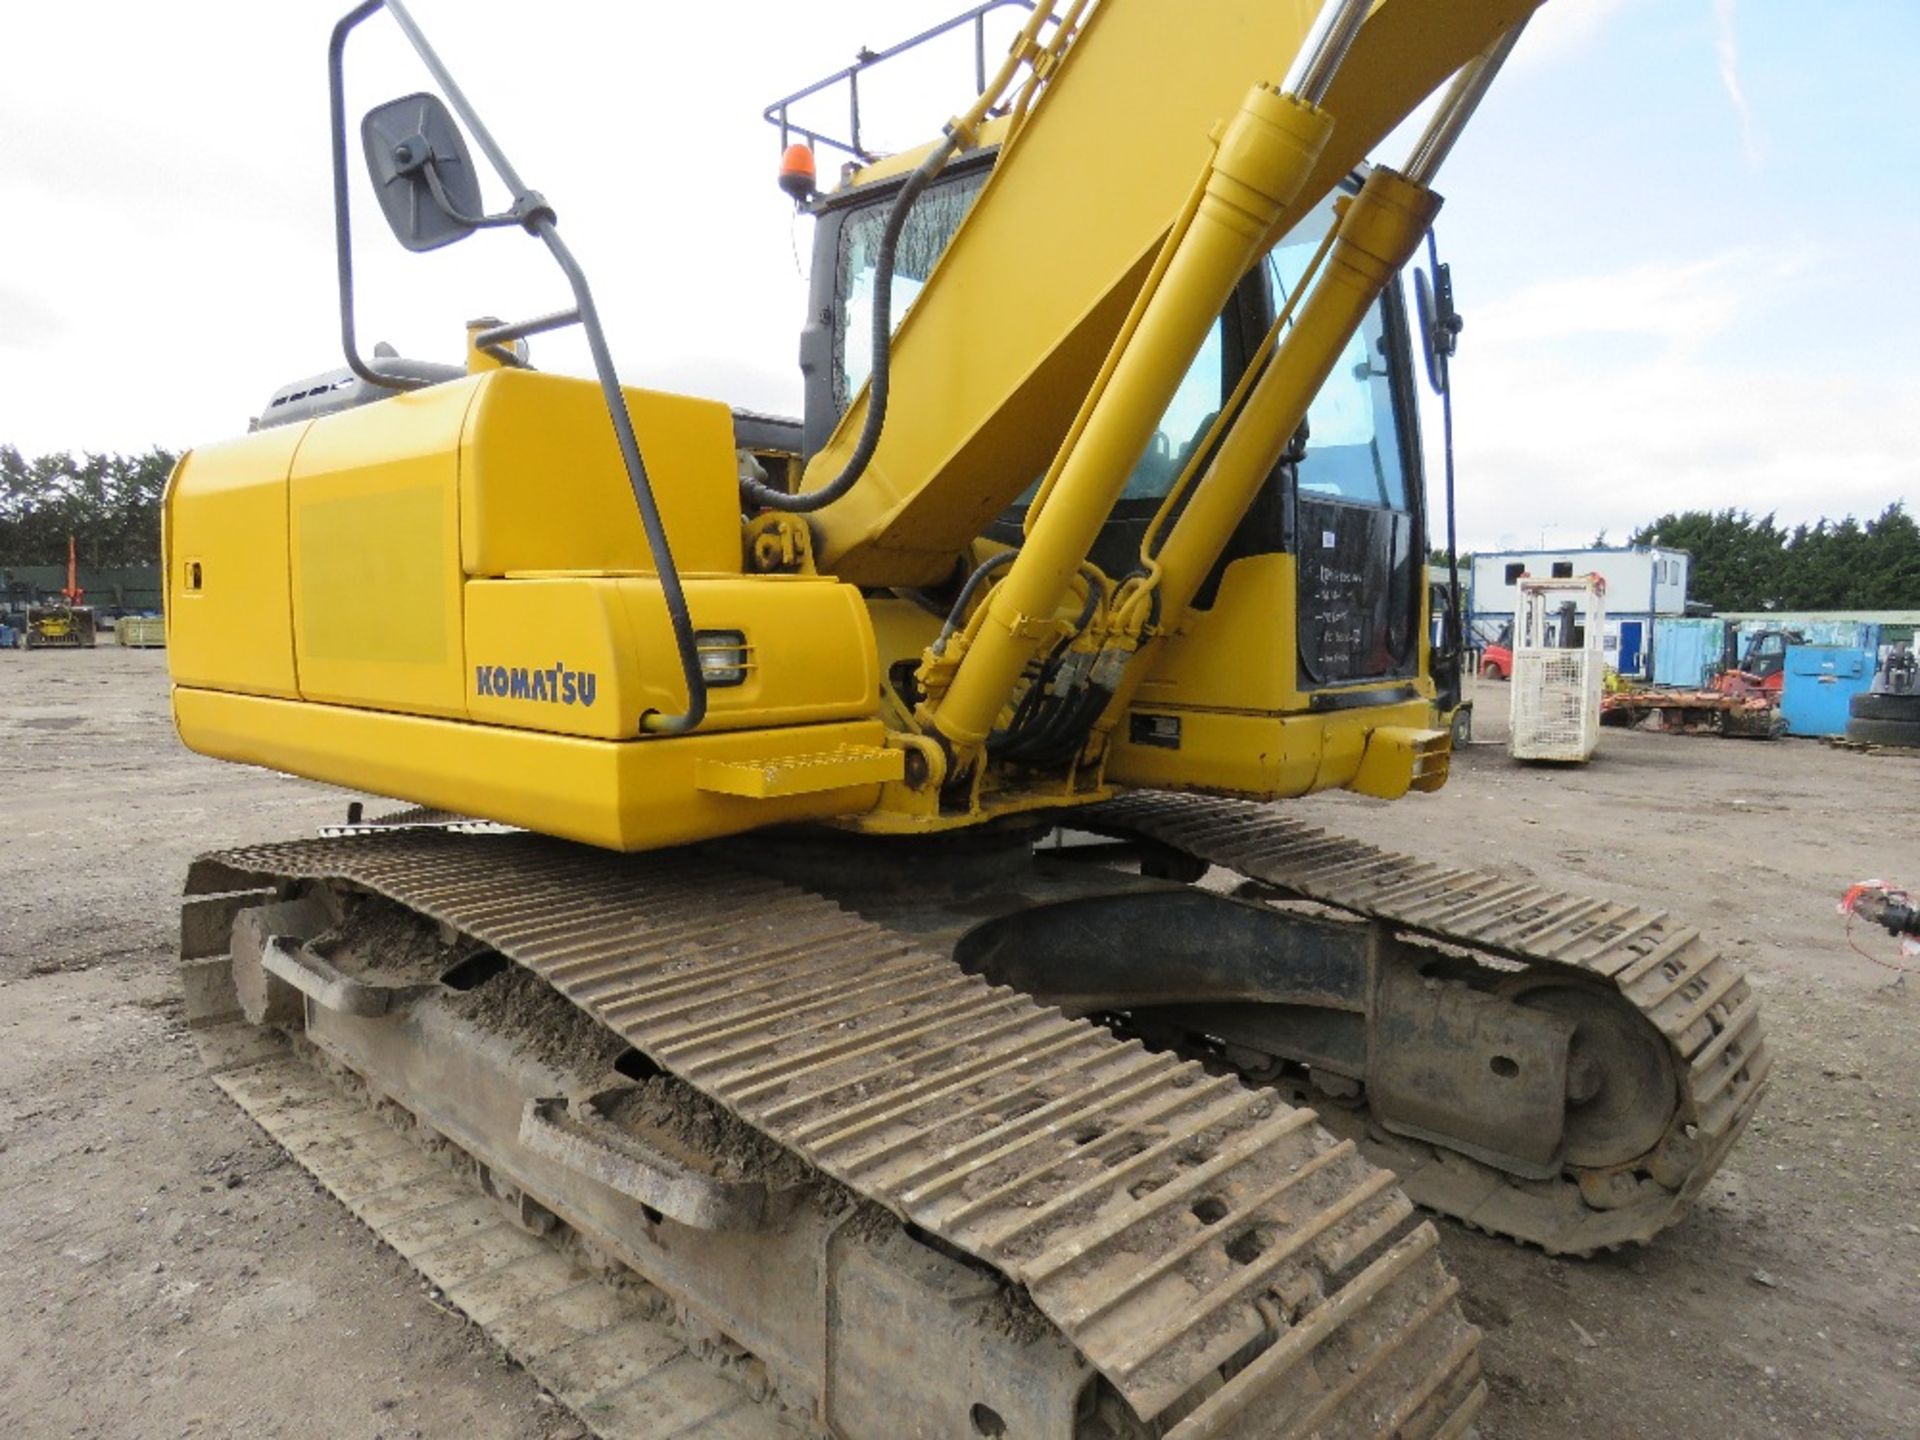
(1381, 228)
(1377, 233)
(1261, 162)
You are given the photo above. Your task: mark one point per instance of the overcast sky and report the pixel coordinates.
(1681, 242)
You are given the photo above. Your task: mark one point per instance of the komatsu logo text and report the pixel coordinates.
(557, 686)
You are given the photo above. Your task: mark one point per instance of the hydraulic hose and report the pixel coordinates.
(759, 494)
(957, 616)
(1059, 716)
(960, 133)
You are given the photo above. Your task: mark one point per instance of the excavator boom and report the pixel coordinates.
(1042, 272)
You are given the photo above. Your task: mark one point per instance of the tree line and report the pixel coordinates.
(109, 504)
(1740, 562)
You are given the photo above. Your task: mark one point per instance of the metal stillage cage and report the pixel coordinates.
(1558, 668)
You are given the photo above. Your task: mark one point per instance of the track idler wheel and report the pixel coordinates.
(1621, 1088)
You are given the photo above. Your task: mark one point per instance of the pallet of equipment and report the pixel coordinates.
(142, 632)
(1862, 747)
(1715, 711)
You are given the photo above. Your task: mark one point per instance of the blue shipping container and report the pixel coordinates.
(1685, 649)
(1820, 681)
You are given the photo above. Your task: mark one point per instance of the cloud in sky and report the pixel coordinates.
(1561, 29)
(1579, 449)
(27, 322)
(1682, 304)
(1602, 401)
(1726, 50)
(1639, 304)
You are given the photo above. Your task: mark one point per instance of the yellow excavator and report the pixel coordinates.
(841, 973)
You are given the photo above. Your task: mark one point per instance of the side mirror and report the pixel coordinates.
(421, 172)
(1440, 323)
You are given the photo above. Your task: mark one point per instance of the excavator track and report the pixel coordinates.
(1695, 998)
(606, 1353)
(1228, 1267)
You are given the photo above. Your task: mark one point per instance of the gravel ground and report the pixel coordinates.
(164, 1273)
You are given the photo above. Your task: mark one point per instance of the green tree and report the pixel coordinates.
(1737, 560)
(109, 504)
(1890, 578)
(1743, 563)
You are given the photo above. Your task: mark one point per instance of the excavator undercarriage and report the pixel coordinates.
(947, 1206)
(1024, 1151)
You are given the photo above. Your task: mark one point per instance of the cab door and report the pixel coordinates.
(1356, 532)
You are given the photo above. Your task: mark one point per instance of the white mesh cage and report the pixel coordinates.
(1555, 696)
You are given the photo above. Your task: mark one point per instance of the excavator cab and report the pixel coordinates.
(1326, 563)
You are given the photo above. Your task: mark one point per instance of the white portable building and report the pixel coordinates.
(1644, 583)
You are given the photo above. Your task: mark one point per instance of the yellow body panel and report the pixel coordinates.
(588, 655)
(1271, 757)
(624, 795)
(224, 546)
(542, 486)
(1238, 655)
(373, 510)
(332, 553)
(333, 575)
(1227, 684)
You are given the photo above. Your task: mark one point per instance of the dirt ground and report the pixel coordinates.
(164, 1273)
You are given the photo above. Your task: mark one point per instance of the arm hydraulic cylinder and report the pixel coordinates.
(1262, 160)
(1377, 233)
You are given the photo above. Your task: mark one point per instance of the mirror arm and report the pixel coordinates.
(528, 205)
(678, 614)
(342, 225)
(457, 98)
(526, 209)
(445, 202)
(530, 210)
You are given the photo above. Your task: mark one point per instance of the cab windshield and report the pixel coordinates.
(1353, 447)
(930, 225)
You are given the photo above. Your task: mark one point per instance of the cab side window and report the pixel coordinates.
(930, 225)
(1353, 444)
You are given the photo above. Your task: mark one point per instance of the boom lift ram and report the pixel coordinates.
(800, 921)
